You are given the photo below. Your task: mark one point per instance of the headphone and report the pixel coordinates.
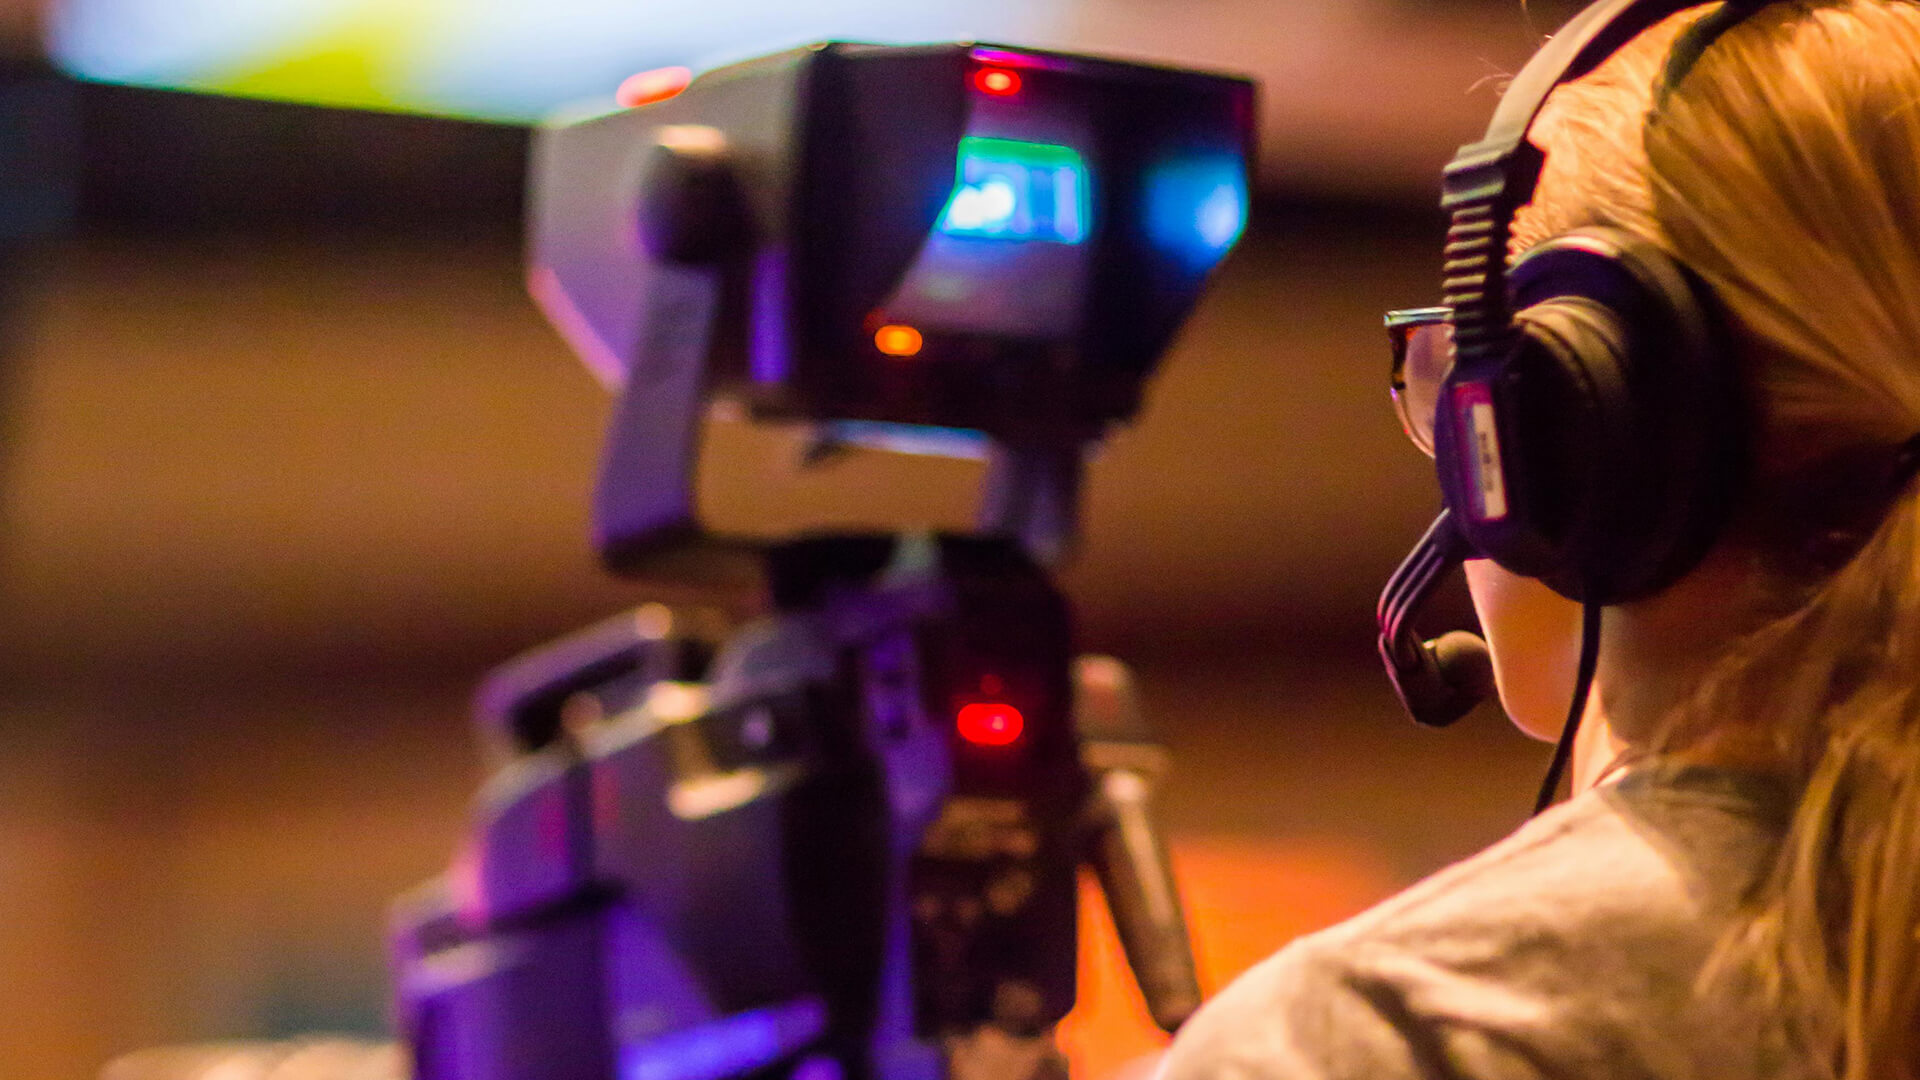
(1592, 431)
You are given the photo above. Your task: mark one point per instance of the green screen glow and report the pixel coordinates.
(1009, 190)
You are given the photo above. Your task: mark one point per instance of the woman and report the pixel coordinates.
(1734, 889)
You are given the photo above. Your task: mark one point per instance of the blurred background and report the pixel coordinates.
(287, 459)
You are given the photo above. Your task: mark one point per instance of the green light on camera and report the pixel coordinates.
(1005, 189)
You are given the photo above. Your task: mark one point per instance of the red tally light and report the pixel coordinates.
(990, 723)
(651, 86)
(997, 81)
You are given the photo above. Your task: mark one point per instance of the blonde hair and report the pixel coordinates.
(1785, 170)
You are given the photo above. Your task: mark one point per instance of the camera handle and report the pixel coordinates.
(643, 502)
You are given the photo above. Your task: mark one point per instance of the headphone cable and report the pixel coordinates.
(1582, 686)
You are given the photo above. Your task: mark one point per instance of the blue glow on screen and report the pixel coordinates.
(1197, 207)
(1010, 190)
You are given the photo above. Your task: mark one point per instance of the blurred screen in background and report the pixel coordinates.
(1362, 99)
(508, 60)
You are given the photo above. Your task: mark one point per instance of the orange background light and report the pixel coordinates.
(898, 340)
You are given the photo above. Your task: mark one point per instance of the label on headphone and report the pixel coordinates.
(1473, 410)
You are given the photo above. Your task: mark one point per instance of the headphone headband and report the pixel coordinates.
(1488, 180)
(1698, 38)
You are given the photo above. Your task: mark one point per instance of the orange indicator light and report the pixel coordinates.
(997, 81)
(896, 340)
(985, 723)
(651, 86)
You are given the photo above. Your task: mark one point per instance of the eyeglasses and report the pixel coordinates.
(1422, 340)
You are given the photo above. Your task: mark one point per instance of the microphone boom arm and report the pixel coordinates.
(1437, 681)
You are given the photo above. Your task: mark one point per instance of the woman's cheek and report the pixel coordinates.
(1534, 635)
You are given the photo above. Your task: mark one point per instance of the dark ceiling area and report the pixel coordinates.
(157, 160)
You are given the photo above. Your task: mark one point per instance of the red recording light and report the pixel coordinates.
(651, 86)
(997, 81)
(990, 723)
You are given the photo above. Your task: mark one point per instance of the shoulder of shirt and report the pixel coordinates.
(1304, 1012)
(1629, 857)
(1546, 914)
(1562, 854)
(1295, 1016)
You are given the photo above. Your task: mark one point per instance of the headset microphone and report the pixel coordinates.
(1437, 681)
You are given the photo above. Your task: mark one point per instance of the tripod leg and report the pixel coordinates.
(1128, 855)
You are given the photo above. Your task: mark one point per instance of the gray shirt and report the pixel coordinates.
(1573, 948)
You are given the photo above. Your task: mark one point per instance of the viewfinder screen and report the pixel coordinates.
(1010, 190)
(1008, 253)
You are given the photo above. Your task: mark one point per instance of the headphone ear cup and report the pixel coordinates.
(1620, 422)
(1569, 405)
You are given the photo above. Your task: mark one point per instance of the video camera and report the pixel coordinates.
(839, 840)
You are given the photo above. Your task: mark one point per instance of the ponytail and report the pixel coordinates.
(1833, 929)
